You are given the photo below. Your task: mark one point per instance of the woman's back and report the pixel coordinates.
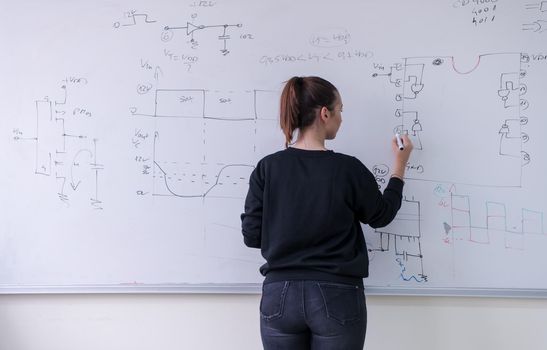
(304, 210)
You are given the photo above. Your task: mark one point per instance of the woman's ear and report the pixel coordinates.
(324, 113)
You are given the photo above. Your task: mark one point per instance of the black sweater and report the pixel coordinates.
(304, 208)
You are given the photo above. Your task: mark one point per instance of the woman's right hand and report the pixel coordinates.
(401, 156)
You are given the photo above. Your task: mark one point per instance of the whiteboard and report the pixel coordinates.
(129, 131)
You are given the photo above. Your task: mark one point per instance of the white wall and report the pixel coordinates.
(169, 322)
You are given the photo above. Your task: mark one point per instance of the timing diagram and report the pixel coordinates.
(487, 222)
(212, 119)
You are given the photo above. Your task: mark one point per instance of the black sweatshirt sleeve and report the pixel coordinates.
(373, 207)
(251, 219)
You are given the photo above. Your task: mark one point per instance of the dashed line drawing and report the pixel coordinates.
(204, 148)
(426, 103)
(495, 223)
(132, 15)
(191, 28)
(402, 237)
(195, 184)
(68, 164)
(227, 117)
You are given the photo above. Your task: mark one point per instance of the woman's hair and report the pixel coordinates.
(300, 99)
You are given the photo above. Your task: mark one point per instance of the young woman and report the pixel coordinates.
(304, 210)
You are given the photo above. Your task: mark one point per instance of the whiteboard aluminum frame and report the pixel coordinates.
(256, 288)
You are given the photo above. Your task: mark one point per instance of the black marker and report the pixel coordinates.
(399, 142)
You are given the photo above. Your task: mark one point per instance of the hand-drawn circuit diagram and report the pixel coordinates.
(62, 150)
(402, 238)
(437, 98)
(538, 17)
(190, 29)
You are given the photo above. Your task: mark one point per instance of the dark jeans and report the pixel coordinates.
(314, 315)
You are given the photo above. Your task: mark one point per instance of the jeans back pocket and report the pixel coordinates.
(272, 302)
(343, 302)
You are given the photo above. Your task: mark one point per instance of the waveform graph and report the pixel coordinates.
(205, 164)
(182, 180)
(186, 180)
(178, 157)
(229, 105)
(461, 217)
(230, 127)
(206, 181)
(495, 224)
(179, 103)
(204, 143)
(496, 218)
(227, 181)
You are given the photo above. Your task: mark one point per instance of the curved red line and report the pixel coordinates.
(472, 69)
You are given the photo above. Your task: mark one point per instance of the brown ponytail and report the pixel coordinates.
(300, 99)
